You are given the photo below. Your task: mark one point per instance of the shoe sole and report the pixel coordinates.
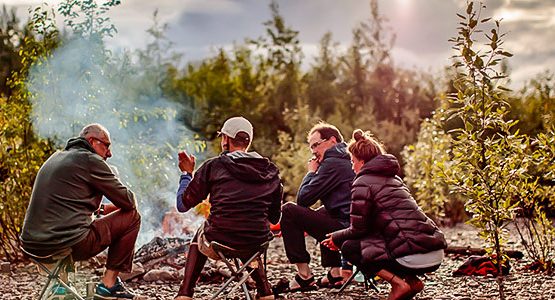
(99, 297)
(61, 297)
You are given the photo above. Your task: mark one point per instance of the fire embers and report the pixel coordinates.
(159, 260)
(179, 224)
(162, 260)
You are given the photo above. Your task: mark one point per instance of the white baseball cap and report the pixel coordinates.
(233, 125)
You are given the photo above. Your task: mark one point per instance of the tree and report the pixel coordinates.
(11, 39)
(322, 91)
(489, 159)
(379, 96)
(280, 61)
(534, 105)
(22, 151)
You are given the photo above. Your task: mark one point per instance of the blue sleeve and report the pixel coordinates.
(316, 185)
(184, 181)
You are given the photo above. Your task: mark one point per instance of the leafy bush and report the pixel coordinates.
(292, 154)
(424, 164)
(22, 152)
(536, 230)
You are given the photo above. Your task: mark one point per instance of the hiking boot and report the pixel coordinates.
(118, 291)
(59, 292)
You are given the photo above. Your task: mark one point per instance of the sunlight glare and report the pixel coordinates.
(404, 6)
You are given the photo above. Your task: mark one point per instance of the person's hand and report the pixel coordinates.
(105, 209)
(313, 164)
(329, 243)
(109, 207)
(186, 162)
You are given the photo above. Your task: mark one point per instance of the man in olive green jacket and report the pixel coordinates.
(67, 192)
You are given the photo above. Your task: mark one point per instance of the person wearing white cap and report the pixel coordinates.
(245, 194)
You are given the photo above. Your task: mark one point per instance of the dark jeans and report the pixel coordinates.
(118, 232)
(352, 251)
(295, 221)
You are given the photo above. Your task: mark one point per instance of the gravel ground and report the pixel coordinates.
(23, 282)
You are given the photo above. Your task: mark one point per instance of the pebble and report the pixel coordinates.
(5, 267)
(25, 283)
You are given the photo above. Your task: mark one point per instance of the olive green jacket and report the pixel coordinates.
(67, 191)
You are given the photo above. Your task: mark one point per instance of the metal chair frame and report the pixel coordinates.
(63, 261)
(229, 255)
(369, 282)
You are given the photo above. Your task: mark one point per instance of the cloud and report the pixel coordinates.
(422, 27)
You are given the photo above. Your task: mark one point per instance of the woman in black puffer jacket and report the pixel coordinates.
(389, 235)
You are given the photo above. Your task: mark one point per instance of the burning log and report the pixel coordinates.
(160, 249)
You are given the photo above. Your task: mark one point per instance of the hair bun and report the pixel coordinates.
(358, 135)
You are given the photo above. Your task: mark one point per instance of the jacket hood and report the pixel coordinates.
(338, 150)
(386, 165)
(249, 166)
(79, 142)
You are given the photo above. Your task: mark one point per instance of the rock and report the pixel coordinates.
(159, 275)
(24, 282)
(5, 267)
(135, 272)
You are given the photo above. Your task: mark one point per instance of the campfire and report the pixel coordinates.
(162, 259)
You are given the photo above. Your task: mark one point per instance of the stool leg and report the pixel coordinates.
(344, 286)
(246, 291)
(51, 275)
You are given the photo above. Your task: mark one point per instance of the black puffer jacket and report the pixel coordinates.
(384, 216)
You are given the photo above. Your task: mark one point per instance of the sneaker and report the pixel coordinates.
(59, 292)
(118, 291)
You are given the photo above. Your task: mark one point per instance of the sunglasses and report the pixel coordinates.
(107, 145)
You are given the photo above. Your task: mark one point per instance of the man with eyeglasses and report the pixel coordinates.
(67, 191)
(329, 180)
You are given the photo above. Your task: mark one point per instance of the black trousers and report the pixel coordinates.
(295, 221)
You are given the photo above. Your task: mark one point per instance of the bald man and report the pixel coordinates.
(67, 192)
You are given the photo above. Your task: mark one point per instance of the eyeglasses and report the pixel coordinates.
(107, 145)
(316, 144)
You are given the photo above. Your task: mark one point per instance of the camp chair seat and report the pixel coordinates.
(55, 266)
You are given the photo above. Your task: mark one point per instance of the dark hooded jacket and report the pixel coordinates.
(245, 196)
(67, 191)
(331, 184)
(384, 216)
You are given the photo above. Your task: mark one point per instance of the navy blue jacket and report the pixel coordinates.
(331, 184)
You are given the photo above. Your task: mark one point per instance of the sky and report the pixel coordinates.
(422, 27)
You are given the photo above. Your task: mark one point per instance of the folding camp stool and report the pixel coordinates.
(233, 259)
(369, 282)
(62, 262)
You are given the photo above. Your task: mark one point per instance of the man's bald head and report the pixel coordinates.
(99, 138)
(94, 130)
